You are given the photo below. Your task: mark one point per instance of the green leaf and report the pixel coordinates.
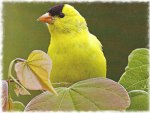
(18, 106)
(34, 73)
(87, 95)
(136, 75)
(137, 58)
(139, 100)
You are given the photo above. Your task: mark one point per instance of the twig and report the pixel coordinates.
(11, 80)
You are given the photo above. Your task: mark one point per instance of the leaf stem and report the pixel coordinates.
(9, 73)
(10, 76)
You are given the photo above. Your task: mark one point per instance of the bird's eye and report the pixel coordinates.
(61, 15)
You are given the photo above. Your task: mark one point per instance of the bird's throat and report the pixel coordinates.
(62, 42)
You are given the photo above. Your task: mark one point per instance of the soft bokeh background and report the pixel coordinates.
(121, 28)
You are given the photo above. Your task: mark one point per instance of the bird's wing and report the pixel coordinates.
(94, 40)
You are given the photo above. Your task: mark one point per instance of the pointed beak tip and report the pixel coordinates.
(46, 18)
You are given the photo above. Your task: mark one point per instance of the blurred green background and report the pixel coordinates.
(121, 28)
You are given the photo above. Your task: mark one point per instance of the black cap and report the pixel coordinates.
(56, 10)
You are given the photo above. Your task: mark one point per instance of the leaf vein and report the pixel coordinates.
(87, 99)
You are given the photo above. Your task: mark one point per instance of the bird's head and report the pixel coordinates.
(63, 18)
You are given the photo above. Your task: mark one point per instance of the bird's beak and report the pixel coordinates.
(46, 18)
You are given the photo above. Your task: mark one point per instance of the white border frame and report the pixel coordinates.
(106, 1)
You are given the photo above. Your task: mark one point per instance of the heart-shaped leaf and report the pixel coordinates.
(139, 100)
(34, 73)
(136, 74)
(87, 95)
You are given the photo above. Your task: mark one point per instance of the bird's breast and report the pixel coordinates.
(75, 58)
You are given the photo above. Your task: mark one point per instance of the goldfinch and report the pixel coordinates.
(76, 53)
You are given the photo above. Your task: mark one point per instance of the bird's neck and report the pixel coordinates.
(62, 36)
(63, 42)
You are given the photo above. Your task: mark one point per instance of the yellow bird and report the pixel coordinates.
(76, 53)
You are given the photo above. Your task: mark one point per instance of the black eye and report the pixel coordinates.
(61, 15)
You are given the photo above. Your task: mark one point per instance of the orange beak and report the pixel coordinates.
(46, 18)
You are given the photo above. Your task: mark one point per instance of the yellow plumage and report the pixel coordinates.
(76, 54)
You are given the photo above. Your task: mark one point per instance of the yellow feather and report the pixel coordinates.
(76, 54)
